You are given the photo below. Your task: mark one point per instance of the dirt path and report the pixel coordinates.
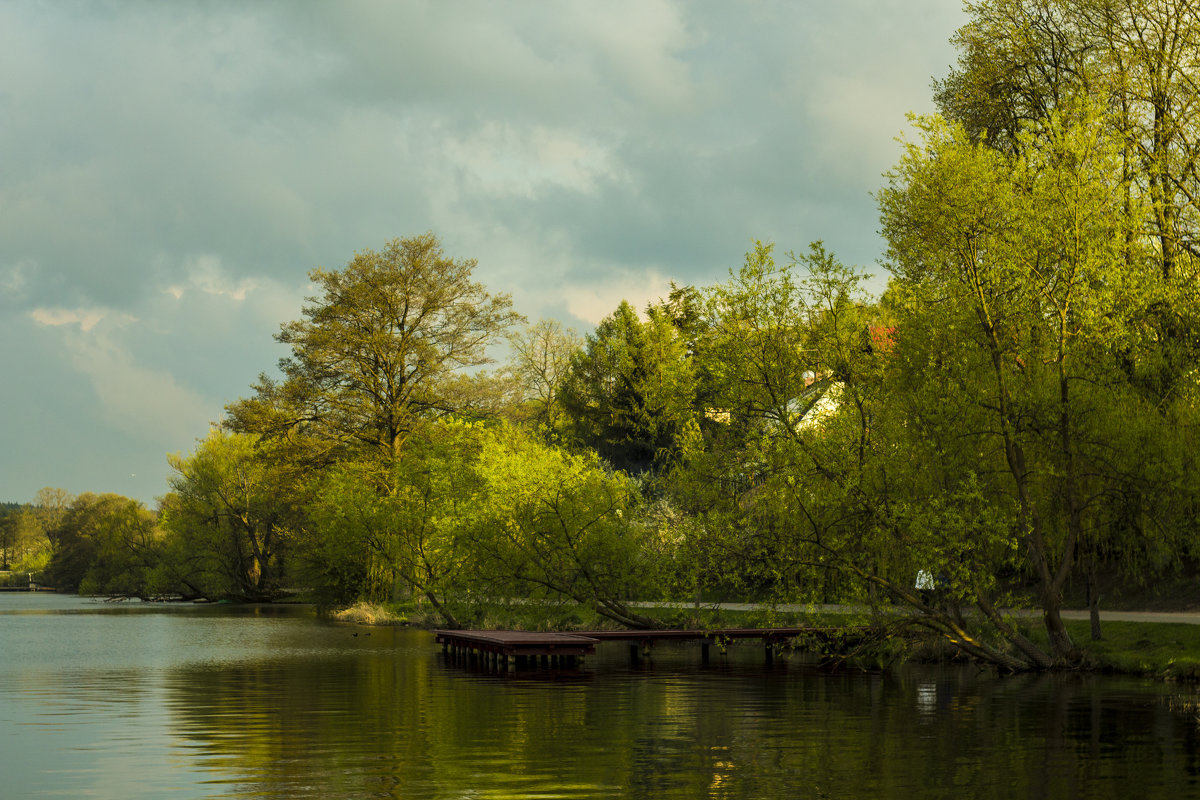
(1186, 617)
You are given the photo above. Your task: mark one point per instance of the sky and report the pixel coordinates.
(170, 172)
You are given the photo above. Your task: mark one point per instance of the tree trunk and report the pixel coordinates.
(451, 621)
(1060, 640)
(620, 613)
(1093, 592)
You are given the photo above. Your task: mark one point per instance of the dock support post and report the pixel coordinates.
(704, 652)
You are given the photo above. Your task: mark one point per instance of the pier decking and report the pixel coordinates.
(512, 649)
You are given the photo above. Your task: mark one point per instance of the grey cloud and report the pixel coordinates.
(552, 142)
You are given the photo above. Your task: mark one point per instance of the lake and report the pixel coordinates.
(131, 700)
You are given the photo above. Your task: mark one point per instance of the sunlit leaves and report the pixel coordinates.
(231, 515)
(376, 352)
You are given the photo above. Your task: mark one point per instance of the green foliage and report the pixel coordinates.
(23, 543)
(376, 353)
(785, 352)
(541, 359)
(105, 544)
(411, 538)
(479, 513)
(230, 518)
(1019, 286)
(630, 392)
(558, 525)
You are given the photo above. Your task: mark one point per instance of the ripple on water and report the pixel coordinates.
(201, 703)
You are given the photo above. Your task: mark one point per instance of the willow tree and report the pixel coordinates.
(415, 538)
(558, 526)
(106, 544)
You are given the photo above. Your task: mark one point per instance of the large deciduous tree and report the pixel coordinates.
(23, 543)
(1021, 61)
(559, 526)
(376, 351)
(781, 486)
(414, 539)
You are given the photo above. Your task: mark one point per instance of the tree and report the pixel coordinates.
(482, 512)
(557, 525)
(14, 536)
(1017, 291)
(51, 505)
(105, 544)
(1024, 60)
(415, 539)
(376, 352)
(631, 391)
(230, 516)
(541, 358)
(786, 351)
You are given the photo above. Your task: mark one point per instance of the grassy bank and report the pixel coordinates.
(1166, 651)
(1154, 649)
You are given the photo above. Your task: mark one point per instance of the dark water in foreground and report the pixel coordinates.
(133, 701)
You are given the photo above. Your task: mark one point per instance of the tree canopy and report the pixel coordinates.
(377, 351)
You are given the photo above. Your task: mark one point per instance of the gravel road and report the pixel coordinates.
(1185, 617)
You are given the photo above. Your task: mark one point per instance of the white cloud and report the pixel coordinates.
(207, 291)
(85, 318)
(594, 302)
(504, 159)
(850, 108)
(143, 402)
(641, 42)
(207, 274)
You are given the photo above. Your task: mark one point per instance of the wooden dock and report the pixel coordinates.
(513, 649)
(517, 649)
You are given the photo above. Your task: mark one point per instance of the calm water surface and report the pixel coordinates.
(149, 701)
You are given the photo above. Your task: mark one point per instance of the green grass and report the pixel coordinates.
(1169, 651)
(534, 616)
(1157, 649)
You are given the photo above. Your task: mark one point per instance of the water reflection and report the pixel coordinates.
(146, 702)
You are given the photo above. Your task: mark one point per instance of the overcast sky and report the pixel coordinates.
(170, 172)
